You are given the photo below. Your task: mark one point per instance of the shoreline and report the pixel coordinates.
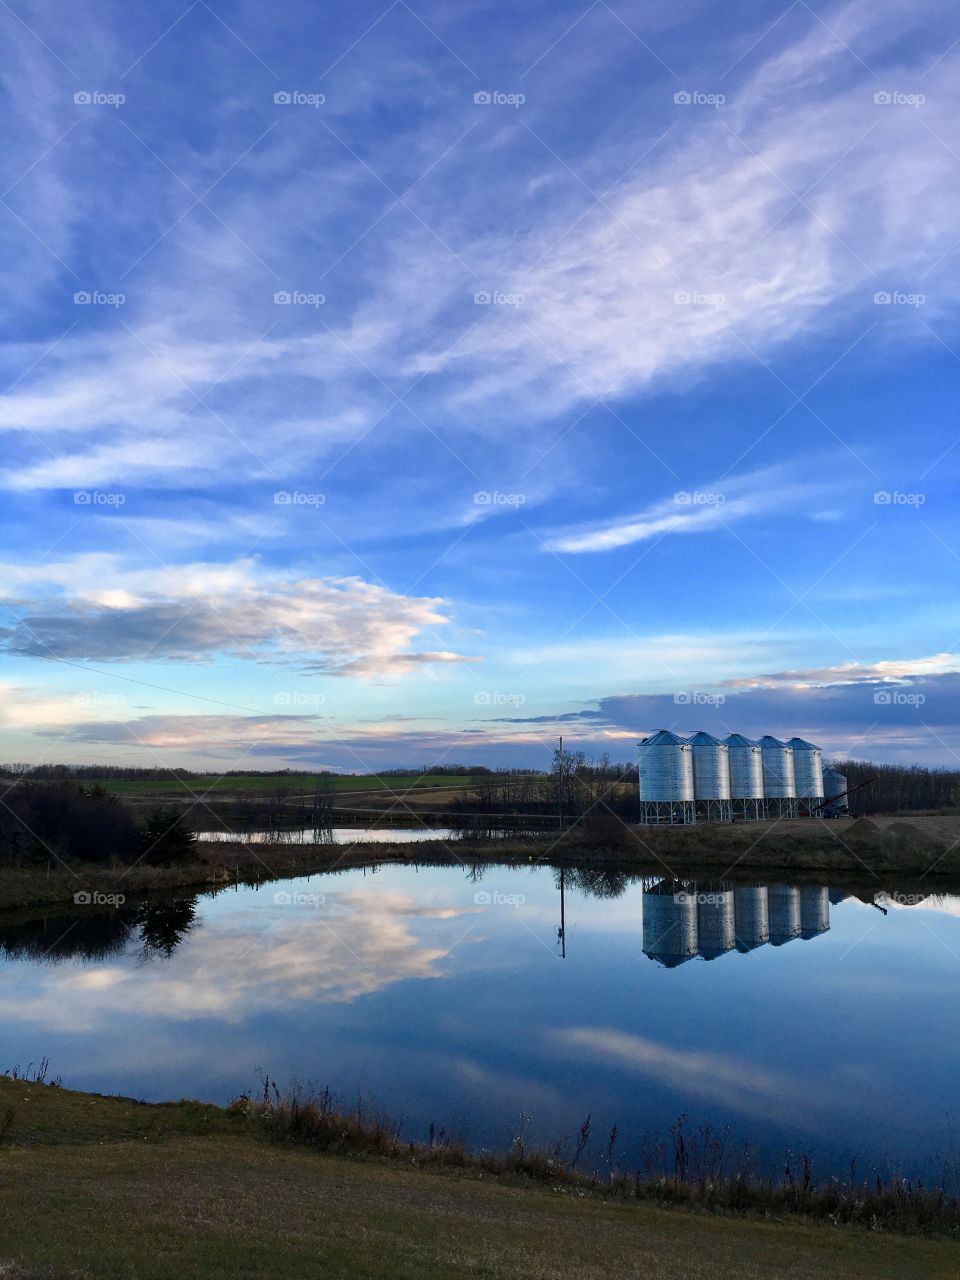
(802, 847)
(920, 846)
(108, 1186)
(32, 1106)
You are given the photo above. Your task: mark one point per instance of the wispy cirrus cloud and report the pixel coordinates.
(713, 505)
(735, 235)
(664, 283)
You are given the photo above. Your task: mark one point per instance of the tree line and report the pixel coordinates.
(576, 789)
(48, 820)
(140, 773)
(896, 788)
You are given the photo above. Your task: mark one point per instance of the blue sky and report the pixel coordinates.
(390, 384)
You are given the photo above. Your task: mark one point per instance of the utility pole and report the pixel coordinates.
(562, 932)
(560, 783)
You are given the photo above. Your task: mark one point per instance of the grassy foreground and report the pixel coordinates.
(107, 1187)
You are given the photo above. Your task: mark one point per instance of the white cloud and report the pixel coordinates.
(24, 707)
(713, 505)
(894, 670)
(713, 212)
(104, 611)
(790, 208)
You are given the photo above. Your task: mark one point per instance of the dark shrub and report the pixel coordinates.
(61, 819)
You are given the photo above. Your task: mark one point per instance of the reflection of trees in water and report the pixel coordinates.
(595, 882)
(163, 925)
(94, 936)
(158, 927)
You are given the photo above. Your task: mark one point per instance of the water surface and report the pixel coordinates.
(802, 1017)
(331, 835)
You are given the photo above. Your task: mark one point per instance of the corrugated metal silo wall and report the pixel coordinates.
(665, 771)
(746, 772)
(711, 770)
(779, 782)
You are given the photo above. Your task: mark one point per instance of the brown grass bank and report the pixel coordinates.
(111, 1188)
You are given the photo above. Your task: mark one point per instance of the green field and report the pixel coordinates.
(95, 1188)
(284, 782)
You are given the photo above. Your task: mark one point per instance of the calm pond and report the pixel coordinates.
(803, 1018)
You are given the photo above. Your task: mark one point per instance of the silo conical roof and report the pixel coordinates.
(664, 738)
(738, 740)
(704, 739)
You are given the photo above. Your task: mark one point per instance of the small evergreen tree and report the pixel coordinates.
(165, 838)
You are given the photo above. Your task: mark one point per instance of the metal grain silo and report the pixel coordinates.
(783, 904)
(715, 922)
(665, 768)
(711, 777)
(669, 923)
(814, 911)
(808, 774)
(834, 786)
(746, 777)
(779, 782)
(751, 916)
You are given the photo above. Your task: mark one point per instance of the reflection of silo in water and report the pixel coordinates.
(715, 925)
(669, 923)
(814, 911)
(751, 917)
(783, 904)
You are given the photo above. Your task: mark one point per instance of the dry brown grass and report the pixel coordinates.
(110, 1189)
